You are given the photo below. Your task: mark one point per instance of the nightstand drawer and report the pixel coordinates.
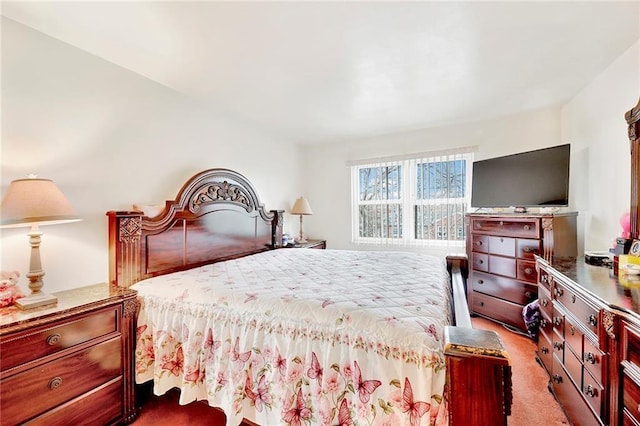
(76, 411)
(584, 312)
(63, 334)
(27, 394)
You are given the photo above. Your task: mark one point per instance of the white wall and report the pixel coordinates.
(593, 121)
(108, 138)
(327, 177)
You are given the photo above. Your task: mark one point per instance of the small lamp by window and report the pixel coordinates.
(301, 207)
(33, 202)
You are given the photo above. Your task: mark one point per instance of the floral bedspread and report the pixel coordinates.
(302, 337)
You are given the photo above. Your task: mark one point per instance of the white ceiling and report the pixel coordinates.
(327, 71)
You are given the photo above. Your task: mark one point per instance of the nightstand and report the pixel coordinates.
(311, 244)
(72, 362)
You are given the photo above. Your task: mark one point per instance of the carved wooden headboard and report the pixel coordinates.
(633, 120)
(216, 216)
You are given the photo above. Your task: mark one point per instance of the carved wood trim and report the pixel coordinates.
(130, 308)
(130, 230)
(219, 192)
(608, 322)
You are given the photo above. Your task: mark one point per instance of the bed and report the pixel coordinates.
(274, 335)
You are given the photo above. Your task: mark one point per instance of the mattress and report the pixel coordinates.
(300, 336)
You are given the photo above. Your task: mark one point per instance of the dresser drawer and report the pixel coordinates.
(593, 392)
(526, 249)
(49, 339)
(544, 279)
(502, 246)
(594, 359)
(544, 301)
(545, 353)
(631, 345)
(480, 262)
(584, 312)
(480, 243)
(526, 271)
(508, 227)
(498, 309)
(76, 411)
(58, 381)
(504, 266)
(631, 397)
(571, 398)
(573, 337)
(504, 288)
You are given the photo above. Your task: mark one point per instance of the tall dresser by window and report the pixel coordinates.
(72, 362)
(501, 250)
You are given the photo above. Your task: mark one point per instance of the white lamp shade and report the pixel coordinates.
(35, 201)
(301, 206)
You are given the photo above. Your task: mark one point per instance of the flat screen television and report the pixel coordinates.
(537, 178)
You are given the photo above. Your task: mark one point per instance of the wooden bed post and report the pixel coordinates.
(125, 230)
(478, 385)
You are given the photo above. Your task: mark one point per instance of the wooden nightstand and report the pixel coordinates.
(312, 244)
(70, 363)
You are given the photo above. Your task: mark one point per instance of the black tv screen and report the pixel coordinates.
(528, 179)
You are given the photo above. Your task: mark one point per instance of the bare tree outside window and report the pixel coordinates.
(427, 195)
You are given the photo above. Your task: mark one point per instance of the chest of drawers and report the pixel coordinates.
(589, 342)
(69, 363)
(501, 249)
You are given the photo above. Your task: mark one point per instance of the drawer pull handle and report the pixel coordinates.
(526, 227)
(529, 249)
(54, 339)
(527, 294)
(479, 243)
(501, 223)
(544, 279)
(544, 350)
(557, 321)
(557, 378)
(573, 298)
(590, 358)
(558, 292)
(55, 383)
(593, 321)
(544, 302)
(543, 323)
(528, 271)
(480, 281)
(557, 346)
(590, 391)
(481, 261)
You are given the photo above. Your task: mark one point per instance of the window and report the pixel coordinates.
(418, 200)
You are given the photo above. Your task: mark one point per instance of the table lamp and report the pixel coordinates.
(301, 207)
(33, 202)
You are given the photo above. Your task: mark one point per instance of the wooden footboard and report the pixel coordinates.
(478, 366)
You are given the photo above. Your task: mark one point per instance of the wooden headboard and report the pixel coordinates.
(215, 216)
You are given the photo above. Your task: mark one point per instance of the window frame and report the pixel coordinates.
(408, 198)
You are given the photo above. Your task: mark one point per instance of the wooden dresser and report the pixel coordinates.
(501, 250)
(72, 362)
(589, 341)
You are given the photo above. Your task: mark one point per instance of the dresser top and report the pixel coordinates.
(76, 300)
(599, 281)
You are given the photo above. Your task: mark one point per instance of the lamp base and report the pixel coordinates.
(301, 240)
(35, 301)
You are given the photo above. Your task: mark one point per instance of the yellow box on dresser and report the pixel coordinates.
(68, 363)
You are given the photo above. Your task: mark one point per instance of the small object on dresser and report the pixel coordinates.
(9, 290)
(598, 258)
(622, 245)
